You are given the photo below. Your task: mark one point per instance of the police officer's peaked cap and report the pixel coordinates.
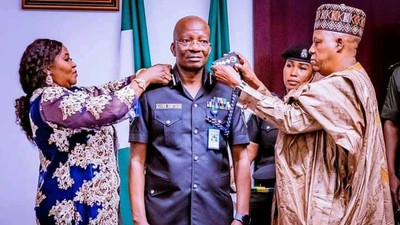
(298, 53)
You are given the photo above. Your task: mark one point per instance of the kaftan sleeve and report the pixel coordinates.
(86, 107)
(288, 118)
(330, 104)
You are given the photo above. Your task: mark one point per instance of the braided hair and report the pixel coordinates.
(35, 61)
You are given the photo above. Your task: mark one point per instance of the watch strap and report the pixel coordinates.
(244, 219)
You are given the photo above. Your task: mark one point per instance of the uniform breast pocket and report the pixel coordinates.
(170, 124)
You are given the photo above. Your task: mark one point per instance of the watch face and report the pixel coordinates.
(246, 219)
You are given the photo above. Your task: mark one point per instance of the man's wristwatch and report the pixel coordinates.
(244, 219)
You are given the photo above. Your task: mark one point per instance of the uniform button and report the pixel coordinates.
(196, 158)
(151, 191)
(268, 127)
(196, 131)
(219, 121)
(194, 186)
(196, 105)
(168, 122)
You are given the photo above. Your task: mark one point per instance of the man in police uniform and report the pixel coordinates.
(179, 167)
(391, 116)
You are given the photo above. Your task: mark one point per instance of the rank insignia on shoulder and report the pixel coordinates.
(229, 59)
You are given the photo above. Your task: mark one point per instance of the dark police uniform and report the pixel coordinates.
(186, 182)
(264, 134)
(391, 111)
(391, 107)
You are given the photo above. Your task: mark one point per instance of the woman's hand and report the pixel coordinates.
(157, 74)
(227, 75)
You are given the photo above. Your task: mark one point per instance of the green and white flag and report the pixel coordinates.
(219, 28)
(134, 55)
(134, 48)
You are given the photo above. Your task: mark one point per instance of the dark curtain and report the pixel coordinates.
(279, 24)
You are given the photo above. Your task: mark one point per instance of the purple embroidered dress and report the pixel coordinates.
(78, 178)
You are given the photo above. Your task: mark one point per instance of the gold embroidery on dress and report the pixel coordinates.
(126, 95)
(64, 212)
(63, 176)
(96, 105)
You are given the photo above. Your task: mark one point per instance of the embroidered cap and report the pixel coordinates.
(340, 18)
(298, 53)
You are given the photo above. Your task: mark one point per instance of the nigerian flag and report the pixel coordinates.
(134, 55)
(134, 48)
(219, 28)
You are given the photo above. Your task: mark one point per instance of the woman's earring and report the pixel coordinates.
(49, 79)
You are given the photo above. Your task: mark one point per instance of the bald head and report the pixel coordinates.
(190, 45)
(192, 23)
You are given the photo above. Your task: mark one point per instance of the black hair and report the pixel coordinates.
(36, 59)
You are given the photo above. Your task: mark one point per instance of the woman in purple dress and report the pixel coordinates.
(72, 128)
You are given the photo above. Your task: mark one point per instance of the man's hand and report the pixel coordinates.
(391, 136)
(247, 72)
(395, 189)
(227, 75)
(244, 68)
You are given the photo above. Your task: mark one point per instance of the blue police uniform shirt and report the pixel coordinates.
(186, 182)
(264, 133)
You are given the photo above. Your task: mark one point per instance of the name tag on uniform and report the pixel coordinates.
(169, 106)
(213, 138)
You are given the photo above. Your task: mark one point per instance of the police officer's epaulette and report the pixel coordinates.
(155, 86)
(210, 80)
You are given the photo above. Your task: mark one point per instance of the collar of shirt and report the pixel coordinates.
(208, 79)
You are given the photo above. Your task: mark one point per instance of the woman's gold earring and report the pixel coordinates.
(49, 79)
